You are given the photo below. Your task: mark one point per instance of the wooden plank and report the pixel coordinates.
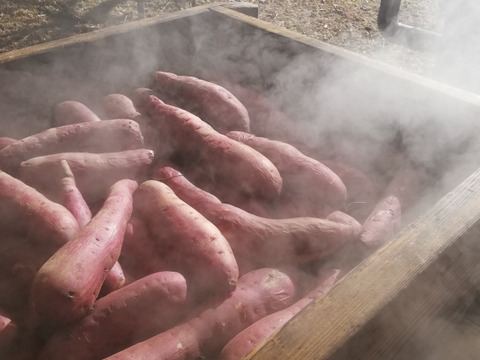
(112, 30)
(358, 59)
(375, 310)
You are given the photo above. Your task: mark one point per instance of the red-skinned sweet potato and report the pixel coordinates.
(115, 279)
(304, 178)
(70, 196)
(382, 224)
(248, 339)
(67, 285)
(94, 173)
(211, 102)
(264, 241)
(119, 106)
(266, 117)
(191, 244)
(5, 141)
(122, 318)
(399, 195)
(72, 112)
(28, 213)
(258, 294)
(96, 136)
(226, 162)
(139, 256)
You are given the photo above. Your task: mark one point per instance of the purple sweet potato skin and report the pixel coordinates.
(187, 239)
(68, 284)
(247, 340)
(27, 212)
(259, 293)
(226, 162)
(303, 177)
(72, 112)
(255, 238)
(139, 310)
(5, 141)
(95, 136)
(211, 102)
(94, 172)
(139, 255)
(382, 224)
(119, 106)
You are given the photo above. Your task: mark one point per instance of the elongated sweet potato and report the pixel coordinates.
(72, 112)
(382, 224)
(248, 339)
(67, 285)
(115, 279)
(122, 318)
(304, 178)
(258, 294)
(28, 213)
(70, 196)
(399, 195)
(211, 102)
(191, 244)
(228, 163)
(139, 255)
(264, 241)
(96, 136)
(94, 173)
(119, 106)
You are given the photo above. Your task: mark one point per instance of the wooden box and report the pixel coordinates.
(409, 299)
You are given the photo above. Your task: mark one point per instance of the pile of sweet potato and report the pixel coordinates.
(176, 223)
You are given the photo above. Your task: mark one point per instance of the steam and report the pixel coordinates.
(344, 105)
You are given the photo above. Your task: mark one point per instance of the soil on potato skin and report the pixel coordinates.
(351, 24)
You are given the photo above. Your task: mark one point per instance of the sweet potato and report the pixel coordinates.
(94, 173)
(266, 118)
(139, 255)
(72, 112)
(382, 224)
(258, 294)
(191, 244)
(228, 163)
(28, 213)
(248, 339)
(262, 240)
(70, 196)
(122, 318)
(96, 136)
(211, 102)
(67, 285)
(398, 196)
(119, 106)
(304, 178)
(115, 279)
(5, 141)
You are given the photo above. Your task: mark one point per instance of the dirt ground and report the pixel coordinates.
(351, 24)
